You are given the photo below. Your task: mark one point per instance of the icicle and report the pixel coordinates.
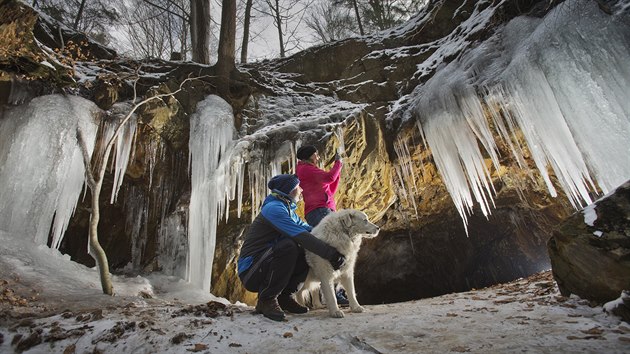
(561, 81)
(124, 145)
(405, 173)
(41, 164)
(173, 245)
(496, 101)
(152, 157)
(454, 122)
(136, 206)
(341, 150)
(211, 133)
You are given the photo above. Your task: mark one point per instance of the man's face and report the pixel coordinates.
(296, 193)
(314, 158)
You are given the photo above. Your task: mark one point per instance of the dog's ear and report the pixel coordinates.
(346, 221)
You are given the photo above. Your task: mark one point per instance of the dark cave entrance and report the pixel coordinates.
(438, 258)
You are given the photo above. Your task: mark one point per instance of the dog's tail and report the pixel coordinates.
(305, 295)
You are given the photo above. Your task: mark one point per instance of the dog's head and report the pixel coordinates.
(357, 223)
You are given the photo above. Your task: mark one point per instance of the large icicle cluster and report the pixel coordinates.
(41, 164)
(211, 135)
(562, 81)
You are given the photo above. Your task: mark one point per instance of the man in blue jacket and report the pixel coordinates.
(272, 261)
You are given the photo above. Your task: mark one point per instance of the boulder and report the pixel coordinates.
(590, 251)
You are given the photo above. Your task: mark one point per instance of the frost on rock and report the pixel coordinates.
(562, 81)
(41, 164)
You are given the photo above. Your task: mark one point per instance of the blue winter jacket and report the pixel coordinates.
(278, 219)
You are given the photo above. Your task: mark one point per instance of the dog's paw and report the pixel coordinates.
(358, 309)
(336, 314)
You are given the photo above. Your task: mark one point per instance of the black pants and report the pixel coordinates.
(281, 272)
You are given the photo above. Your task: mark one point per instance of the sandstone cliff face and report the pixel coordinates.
(423, 249)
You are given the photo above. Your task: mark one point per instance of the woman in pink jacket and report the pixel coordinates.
(319, 186)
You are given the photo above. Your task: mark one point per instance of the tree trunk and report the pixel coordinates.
(246, 21)
(200, 30)
(96, 251)
(79, 14)
(279, 25)
(183, 41)
(358, 16)
(227, 39)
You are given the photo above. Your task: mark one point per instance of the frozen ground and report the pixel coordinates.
(52, 305)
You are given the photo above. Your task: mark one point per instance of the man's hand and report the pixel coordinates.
(337, 260)
(338, 157)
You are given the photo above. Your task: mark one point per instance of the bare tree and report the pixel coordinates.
(246, 22)
(227, 39)
(354, 4)
(330, 22)
(384, 14)
(79, 14)
(200, 30)
(157, 28)
(287, 17)
(95, 176)
(374, 15)
(92, 17)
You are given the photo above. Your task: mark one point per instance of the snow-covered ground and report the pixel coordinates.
(50, 304)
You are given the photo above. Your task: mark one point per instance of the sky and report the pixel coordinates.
(45, 293)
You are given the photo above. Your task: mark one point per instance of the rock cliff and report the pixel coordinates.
(424, 248)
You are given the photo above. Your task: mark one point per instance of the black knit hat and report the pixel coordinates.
(283, 183)
(305, 152)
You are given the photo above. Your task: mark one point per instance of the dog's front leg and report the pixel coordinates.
(347, 281)
(327, 288)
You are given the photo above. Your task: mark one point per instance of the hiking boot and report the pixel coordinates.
(342, 300)
(288, 304)
(270, 309)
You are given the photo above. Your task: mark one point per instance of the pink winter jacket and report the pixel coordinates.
(319, 186)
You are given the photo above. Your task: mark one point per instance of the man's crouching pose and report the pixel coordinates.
(272, 261)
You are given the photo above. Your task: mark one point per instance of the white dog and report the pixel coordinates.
(343, 230)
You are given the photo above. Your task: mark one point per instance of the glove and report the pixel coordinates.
(338, 157)
(337, 260)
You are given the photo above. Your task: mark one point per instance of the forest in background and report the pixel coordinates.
(248, 30)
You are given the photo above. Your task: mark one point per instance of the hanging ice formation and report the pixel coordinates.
(42, 171)
(562, 81)
(406, 177)
(41, 164)
(124, 143)
(211, 135)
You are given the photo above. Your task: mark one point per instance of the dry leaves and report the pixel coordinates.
(198, 348)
